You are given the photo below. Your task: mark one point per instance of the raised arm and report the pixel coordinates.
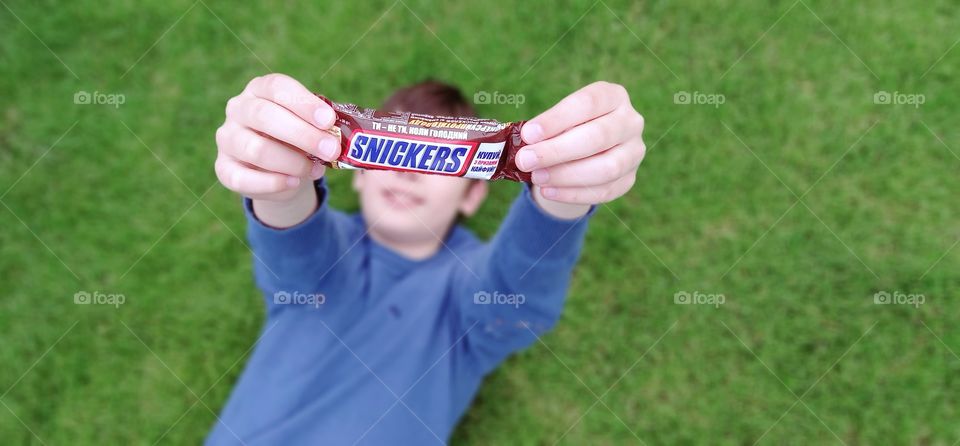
(513, 289)
(583, 151)
(262, 149)
(296, 265)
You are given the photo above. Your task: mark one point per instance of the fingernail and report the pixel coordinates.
(548, 192)
(293, 181)
(531, 132)
(323, 116)
(527, 160)
(540, 176)
(316, 171)
(327, 149)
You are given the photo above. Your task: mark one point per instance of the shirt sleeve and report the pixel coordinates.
(514, 288)
(299, 258)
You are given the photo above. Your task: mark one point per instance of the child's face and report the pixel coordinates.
(412, 208)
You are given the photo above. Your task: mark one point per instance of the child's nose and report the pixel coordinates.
(408, 176)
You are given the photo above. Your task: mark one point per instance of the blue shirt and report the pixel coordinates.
(362, 345)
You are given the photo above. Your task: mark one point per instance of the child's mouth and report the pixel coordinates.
(401, 199)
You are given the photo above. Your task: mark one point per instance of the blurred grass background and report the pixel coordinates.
(123, 200)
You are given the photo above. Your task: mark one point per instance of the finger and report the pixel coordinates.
(596, 170)
(292, 95)
(590, 194)
(579, 142)
(592, 101)
(283, 125)
(264, 153)
(248, 181)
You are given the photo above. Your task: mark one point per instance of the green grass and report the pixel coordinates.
(113, 206)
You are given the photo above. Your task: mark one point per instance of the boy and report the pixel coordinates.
(381, 326)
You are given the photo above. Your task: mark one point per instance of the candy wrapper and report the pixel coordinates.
(482, 149)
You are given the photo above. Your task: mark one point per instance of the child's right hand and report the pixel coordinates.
(270, 128)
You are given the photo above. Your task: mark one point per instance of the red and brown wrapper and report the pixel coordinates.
(466, 147)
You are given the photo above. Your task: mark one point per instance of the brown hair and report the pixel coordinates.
(432, 98)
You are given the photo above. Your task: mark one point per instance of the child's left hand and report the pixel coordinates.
(585, 149)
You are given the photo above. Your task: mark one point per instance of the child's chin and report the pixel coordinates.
(403, 228)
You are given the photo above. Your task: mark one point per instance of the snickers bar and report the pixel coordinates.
(466, 147)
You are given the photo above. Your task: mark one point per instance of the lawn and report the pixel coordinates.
(789, 205)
